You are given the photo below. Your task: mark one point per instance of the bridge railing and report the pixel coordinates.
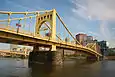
(14, 30)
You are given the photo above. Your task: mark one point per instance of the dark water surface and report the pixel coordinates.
(19, 68)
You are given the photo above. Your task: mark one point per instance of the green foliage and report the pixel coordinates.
(111, 52)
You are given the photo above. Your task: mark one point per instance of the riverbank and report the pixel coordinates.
(110, 58)
(21, 57)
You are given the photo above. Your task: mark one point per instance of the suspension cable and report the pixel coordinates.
(30, 23)
(25, 15)
(66, 28)
(59, 28)
(9, 14)
(50, 29)
(34, 12)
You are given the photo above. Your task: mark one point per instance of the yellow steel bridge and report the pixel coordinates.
(11, 31)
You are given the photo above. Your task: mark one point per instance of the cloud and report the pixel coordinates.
(104, 30)
(22, 6)
(101, 10)
(111, 42)
(93, 33)
(97, 9)
(79, 9)
(113, 28)
(18, 5)
(77, 24)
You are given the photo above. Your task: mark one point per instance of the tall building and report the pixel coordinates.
(89, 39)
(98, 48)
(81, 38)
(103, 47)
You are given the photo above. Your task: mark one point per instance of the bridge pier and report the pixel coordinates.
(51, 57)
(58, 57)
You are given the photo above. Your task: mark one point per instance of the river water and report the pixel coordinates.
(10, 67)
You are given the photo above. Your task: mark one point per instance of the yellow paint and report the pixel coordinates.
(46, 16)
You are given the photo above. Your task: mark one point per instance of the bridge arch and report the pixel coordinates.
(45, 29)
(49, 17)
(41, 24)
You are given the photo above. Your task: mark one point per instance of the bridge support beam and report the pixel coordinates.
(53, 48)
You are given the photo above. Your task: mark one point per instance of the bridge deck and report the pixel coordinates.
(11, 36)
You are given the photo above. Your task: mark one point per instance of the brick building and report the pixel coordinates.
(81, 38)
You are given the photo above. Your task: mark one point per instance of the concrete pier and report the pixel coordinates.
(52, 57)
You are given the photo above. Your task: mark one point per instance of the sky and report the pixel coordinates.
(93, 17)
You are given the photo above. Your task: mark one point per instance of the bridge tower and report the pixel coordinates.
(47, 17)
(53, 55)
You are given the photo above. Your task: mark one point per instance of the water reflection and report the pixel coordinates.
(71, 68)
(41, 70)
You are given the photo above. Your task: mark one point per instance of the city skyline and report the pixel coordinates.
(97, 21)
